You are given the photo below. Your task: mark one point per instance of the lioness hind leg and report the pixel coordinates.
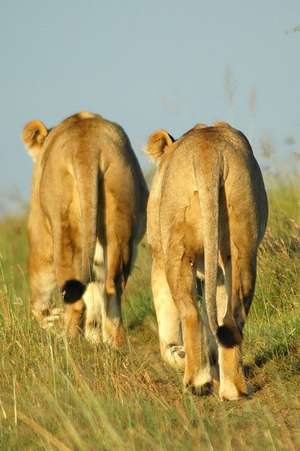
(69, 268)
(182, 281)
(240, 283)
(42, 283)
(210, 344)
(73, 318)
(232, 381)
(171, 348)
(93, 300)
(112, 325)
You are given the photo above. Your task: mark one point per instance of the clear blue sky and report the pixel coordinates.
(147, 65)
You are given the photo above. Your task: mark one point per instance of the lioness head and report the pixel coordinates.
(34, 135)
(158, 143)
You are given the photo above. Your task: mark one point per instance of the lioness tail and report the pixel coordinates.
(207, 174)
(86, 176)
(73, 256)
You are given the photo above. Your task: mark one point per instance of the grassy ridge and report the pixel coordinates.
(64, 395)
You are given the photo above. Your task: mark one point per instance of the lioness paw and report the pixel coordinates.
(174, 355)
(201, 390)
(51, 320)
(232, 392)
(113, 336)
(200, 383)
(92, 333)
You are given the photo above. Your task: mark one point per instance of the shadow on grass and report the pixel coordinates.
(144, 320)
(297, 367)
(280, 351)
(137, 313)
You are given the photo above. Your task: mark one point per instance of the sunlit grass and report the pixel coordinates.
(56, 394)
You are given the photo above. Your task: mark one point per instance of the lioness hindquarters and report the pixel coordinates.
(121, 227)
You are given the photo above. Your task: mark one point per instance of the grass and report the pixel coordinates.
(62, 395)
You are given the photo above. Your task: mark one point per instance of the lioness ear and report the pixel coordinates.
(157, 143)
(34, 135)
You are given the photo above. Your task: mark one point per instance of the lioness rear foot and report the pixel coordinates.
(92, 332)
(202, 390)
(114, 336)
(47, 318)
(73, 318)
(233, 392)
(174, 355)
(199, 384)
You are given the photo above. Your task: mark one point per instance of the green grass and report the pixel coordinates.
(64, 395)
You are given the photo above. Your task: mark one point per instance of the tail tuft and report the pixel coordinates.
(72, 291)
(229, 336)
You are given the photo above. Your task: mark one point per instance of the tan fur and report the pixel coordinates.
(207, 214)
(87, 185)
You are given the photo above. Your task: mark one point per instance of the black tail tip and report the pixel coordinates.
(72, 291)
(229, 336)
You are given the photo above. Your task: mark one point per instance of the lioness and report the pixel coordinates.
(207, 213)
(87, 214)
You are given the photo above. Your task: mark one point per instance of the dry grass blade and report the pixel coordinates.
(42, 432)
